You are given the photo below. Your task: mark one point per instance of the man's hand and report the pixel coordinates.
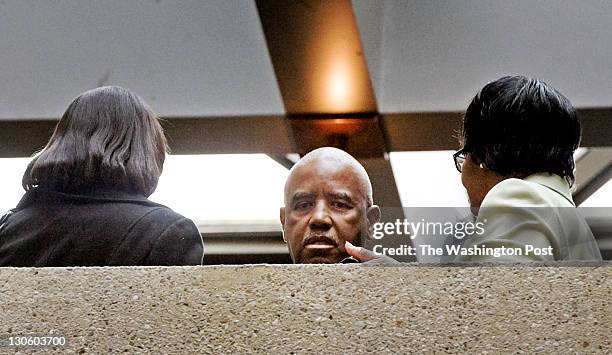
(367, 256)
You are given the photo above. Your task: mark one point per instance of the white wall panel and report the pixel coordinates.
(435, 55)
(186, 58)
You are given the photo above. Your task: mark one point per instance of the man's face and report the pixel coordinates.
(325, 206)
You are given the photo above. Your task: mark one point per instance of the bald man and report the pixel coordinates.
(328, 202)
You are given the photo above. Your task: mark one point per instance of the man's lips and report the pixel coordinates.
(319, 242)
(319, 245)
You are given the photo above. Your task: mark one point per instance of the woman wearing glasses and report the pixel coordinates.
(517, 166)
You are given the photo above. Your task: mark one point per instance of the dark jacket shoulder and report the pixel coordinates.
(49, 228)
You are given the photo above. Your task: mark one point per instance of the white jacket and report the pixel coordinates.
(537, 211)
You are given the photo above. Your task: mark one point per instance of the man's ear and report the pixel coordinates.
(282, 220)
(373, 215)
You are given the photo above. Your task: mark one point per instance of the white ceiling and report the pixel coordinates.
(185, 58)
(207, 58)
(435, 55)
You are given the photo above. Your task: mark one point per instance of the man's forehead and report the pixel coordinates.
(327, 191)
(320, 174)
(326, 168)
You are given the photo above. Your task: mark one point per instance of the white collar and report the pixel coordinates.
(553, 182)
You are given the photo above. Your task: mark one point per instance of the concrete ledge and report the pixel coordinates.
(311, 309)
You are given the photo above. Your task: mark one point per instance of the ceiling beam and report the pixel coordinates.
(422, 131)
(594, 184)
(273, 134)
(317, 56)
(413, 131)
(195, 135)
(589, 169)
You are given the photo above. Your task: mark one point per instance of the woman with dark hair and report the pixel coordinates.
(519, 136)
(86, 192)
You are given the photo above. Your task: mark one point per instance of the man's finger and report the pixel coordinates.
(367, 256)
(359, 253)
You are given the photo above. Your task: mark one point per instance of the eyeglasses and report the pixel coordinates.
(459, 159)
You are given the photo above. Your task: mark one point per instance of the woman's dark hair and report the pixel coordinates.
(107, 140)
(519, 125)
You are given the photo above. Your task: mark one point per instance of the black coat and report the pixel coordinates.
(49, 228)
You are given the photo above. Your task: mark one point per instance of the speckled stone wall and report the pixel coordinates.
(311, 309)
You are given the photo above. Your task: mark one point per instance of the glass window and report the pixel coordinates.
(428, 179)
(235, 192)
(10, 181)
(601, 198)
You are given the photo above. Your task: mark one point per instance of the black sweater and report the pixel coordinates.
(49, 228)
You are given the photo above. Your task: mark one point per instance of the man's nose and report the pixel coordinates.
(320, 218)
